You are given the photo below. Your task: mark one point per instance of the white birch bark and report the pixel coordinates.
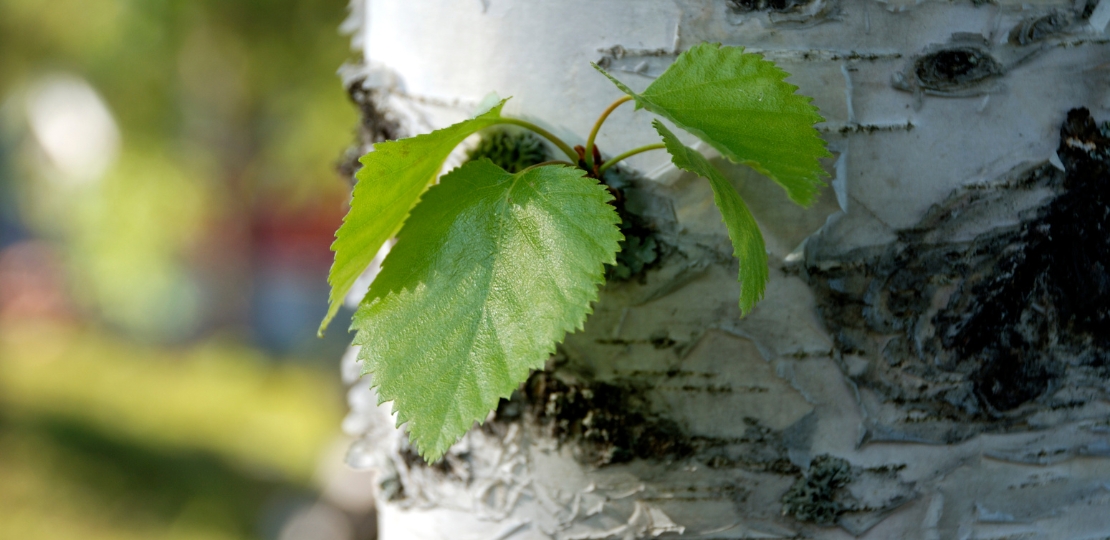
(832, 411)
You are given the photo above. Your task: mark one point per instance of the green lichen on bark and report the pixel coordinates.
(510, 149)
(816, 497)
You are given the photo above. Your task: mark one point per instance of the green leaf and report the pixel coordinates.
(489, 273)
(390, 183)
(747, 241)
(739, 104)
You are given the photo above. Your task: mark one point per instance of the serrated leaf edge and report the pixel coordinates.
(335, 296)
(805, 198)
(746, 302)
(597, 279)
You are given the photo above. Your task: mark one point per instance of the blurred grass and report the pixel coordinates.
(101, 438)
(214, 397)
(63, 481)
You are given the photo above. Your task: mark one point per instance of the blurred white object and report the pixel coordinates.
(73, 126)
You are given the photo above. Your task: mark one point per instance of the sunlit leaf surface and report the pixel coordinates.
(490, 272)
(739, 104)
(747, 241)
(389, 184)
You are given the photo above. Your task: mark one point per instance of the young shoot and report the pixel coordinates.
(493, 268)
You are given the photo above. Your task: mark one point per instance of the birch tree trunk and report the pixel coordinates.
(931, 358)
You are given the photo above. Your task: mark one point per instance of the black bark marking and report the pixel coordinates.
(979, 334)
(963, 67)
(376, 124)
(798, 13)
(607, 423)
(1054, 291)
(777, 6)
(953, 68)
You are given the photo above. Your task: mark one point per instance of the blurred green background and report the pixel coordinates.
(167, 196)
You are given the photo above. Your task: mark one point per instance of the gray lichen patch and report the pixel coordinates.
(990, 314)
(832, 490)
(644, 216)
(819, 497)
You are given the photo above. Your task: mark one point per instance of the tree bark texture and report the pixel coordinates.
(932, 359)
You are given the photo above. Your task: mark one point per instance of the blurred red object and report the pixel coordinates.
(32, 283)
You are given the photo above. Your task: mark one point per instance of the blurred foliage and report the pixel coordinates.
(250, 81)
(124, 239)
(227, 110)
(104, 439)
(224, 106)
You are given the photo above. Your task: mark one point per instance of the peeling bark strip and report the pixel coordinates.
(1038, 29)
(959, 330)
